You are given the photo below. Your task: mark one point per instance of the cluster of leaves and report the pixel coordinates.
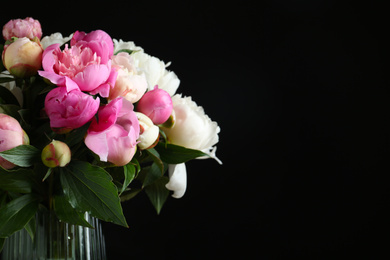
(85, 184)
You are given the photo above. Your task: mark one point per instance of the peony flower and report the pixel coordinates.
(149, 132)
(177, 179)
(98, 41)
(56, 154)
(11, 135)
(113, 137)
(156, 73)
(23, 57)
(156, 104)
(53, 39)
(129, 84)
(77, 67)
(192, 128)
(69, 110)
(19, 28)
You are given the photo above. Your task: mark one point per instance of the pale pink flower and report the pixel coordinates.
(114, 136)
(23, 57)
(129, 84)
(27, 27)
(11, 135)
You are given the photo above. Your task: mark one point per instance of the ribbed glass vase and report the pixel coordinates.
(57, 240)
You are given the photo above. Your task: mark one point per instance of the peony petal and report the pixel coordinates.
(48, 59)
(93, 76)
(97, 143)
(120, 146)
(177, 179)
(107, 116)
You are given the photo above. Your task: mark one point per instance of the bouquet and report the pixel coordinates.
(88, 122)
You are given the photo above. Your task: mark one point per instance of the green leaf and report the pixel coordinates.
(156, 158)
(129, 194)
(30, 227)
(17, 213)
(129, 171)
(90, 188)
(7, 97)
(20, 181)
(174, 154)
(157, 193)
(22, 155)
(67, 213)
(154, 173)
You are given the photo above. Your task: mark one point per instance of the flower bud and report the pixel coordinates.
(55, 154)
(23, 57)
(156, 104)
(27, 27)
(11, 135)
(149, 132)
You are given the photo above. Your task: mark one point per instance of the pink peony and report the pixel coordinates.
(11, 135)
(114, 136)
(27, 27)
(78, 66)
(156, 104)
(98, 41)
(69, 110)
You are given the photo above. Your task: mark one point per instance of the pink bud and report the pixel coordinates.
(11, 135)
(19, 28)
(156, 104)
(23, 57)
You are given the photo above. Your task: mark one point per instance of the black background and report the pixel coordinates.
(300, 90)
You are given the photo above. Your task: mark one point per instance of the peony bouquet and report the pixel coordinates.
(88, 122)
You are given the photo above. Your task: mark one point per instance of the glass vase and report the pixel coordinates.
(57, 240)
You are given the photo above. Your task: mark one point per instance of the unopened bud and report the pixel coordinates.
(149, 132)
(55, 154)
(23, 57)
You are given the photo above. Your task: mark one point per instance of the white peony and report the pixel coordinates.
(153, 68)
(193, 128)
(177, 179)
(156, 73)
(54, 38)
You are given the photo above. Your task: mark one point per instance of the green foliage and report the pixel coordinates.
(90, 188)
(17, 213)
(22, 155)
(158, 193)
(174, 154)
